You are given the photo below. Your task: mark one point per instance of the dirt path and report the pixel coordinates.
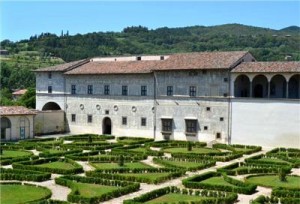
(149, 161)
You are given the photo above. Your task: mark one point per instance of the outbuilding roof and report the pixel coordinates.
(15, 110)
(290, 67)
(62, 67)
(19, 92)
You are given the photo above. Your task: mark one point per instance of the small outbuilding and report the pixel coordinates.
(16, 123)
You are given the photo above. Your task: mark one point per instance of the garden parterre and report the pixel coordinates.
(120, 169)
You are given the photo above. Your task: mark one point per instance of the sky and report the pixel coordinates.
(22, 19)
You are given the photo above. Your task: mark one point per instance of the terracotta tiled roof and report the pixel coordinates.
(119, 67)
(15, 110)
(61, 67)
(201, 60)
(20, 92)
(268, 67)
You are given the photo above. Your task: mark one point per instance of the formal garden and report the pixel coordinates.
(103, 169)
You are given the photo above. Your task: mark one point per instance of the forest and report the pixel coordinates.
(47, 49)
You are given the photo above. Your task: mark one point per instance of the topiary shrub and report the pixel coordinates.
(121, 160)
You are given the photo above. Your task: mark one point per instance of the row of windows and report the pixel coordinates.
(107, 90)
(124, 120)
(192, 90)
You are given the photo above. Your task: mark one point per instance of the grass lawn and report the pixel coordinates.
(174, 197)
(216, 181)
(273, 160)
(139, 149)
(14, 153)
(91, 190)
(116, 165)
(273, 181)
(57, 165)
(151, 176)
(18, 194)
(184, 164)
(51, 151)
(194, 150)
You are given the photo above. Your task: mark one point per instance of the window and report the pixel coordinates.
(124, 120)
(225, 79)
(143, 90)
(191, 126)
(225, 94)
(207, 108)
(49, 75)
(143, 121)
(73, 89)
(90, 119)
(139, 58)
(90, 89)
(73, 117)
(205, 128)
(162, 57)
(221, 119)
(124, 90)
(106, 89)
(218, 135)
(192, 90)
(106, 112)
(166, 125)
(169, 90)
(49, 89)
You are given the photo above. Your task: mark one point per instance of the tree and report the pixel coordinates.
(90, 139)
(189, 146)
(282, 175)
(121, 160)
(28, 99)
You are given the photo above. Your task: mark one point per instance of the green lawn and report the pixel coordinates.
(273, 160)
(184, 164)
(197, 150)
(174, 197)
(116, 165)
(273, 181)
(216, 181)
(18, 194)
(14, 153)
(151, 176)
(139, 149)
(51, 151)
(91, 190)
(57, 165)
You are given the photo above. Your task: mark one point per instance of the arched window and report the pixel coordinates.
(5, 128)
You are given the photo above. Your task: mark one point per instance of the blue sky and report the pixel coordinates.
(21, 19)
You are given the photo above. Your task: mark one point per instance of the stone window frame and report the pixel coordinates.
(124, 90)
(89, 118)
(166, 125)
(73, 89)
(191, 126)
(170, 90)
(143, 90)
(73, 117)
(124, 120)
(192, 91)
(49, 89)
(143, 121)
(106, 90)
(90, 89)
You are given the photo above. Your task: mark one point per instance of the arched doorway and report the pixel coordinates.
(51, 106)
(260, 86)
(242, 86)
(5, 128)
(278, 87)
(106, 126)
(294, 86)
(24, 125)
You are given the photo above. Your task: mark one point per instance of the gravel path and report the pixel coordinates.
(35, 152)
(145, 188)
(86, 166)
(242, 199)
(296, 171)
(149, 161)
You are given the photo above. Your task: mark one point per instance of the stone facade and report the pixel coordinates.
(184, 104)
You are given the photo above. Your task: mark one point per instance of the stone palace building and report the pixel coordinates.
(207, 96)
